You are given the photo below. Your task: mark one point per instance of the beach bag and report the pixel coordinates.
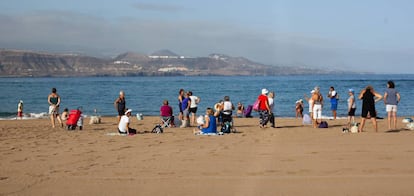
(407, 120)
(354, 128)
(248, 111)
(323, 124)
(157, 129)
(256, 105)
(306, 119)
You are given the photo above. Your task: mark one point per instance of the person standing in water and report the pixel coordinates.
(20, 109)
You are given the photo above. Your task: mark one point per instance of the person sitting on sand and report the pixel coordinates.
(65, 114)
(123, 126)
(240, 110)
(209, 126)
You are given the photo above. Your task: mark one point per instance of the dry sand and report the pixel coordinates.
(289, 160)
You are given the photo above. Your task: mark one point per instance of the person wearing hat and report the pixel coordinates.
(351, 107)
(20, 109)
(299, 108)
(123, 126)
(264, 108)
(317, 106)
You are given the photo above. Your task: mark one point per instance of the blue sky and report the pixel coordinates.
(367, 36)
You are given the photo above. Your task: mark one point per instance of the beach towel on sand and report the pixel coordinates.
(219, 133)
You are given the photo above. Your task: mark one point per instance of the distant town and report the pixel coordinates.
(19, 63)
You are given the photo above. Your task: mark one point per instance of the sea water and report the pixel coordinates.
(146, 94)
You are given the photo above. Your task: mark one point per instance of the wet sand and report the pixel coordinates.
(290, 160)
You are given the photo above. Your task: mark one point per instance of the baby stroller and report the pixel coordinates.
(75, 119)
(226, 122)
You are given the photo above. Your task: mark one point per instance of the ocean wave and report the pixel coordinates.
(26, 116)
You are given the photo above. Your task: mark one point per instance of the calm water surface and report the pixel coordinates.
(145, 94)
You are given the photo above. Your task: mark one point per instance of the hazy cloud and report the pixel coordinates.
(157, 7)
(60, 31)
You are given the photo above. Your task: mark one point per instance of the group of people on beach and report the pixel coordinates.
(188, 106)
(368, 96)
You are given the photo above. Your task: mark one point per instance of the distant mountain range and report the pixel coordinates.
(18, 63)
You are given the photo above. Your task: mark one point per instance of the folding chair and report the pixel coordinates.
(166, 121)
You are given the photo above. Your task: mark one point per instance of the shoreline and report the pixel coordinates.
(44, 115)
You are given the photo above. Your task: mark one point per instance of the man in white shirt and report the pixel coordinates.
(123, 126)
(194, 100)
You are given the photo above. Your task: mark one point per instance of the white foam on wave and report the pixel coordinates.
(28, 116)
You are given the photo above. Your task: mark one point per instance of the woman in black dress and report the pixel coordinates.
(369, 98)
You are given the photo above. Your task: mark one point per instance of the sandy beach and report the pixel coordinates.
(290, 160)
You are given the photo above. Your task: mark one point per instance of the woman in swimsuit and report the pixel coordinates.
(54, 101)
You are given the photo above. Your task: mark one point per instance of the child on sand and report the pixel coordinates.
(65, 114)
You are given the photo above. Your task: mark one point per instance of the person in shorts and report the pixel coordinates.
(193, 107)
(333, 95)
(391, 99)
(54, 102)
(351, 107)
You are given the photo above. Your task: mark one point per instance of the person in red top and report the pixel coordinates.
(264, 109)
(166, 112)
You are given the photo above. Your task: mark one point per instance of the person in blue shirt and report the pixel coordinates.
(185, 106)
(210, 125)
(333, 95)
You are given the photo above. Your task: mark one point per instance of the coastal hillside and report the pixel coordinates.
(17, 63)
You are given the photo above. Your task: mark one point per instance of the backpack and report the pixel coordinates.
(323, 124)
(157, 129)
